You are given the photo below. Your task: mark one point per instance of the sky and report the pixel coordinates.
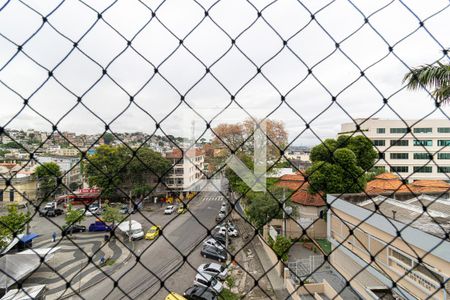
(197, 78)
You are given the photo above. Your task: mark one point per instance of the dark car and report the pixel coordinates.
(73, 229)
(50, 212)
(214, 253)
(199, 293)
(220, 238)
(99, 226)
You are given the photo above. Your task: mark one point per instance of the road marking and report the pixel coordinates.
(214, 198)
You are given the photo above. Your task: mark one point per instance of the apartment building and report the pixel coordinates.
(390, 249)
(187, 169)
(414, 149)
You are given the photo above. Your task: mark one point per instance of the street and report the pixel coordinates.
(161, 261)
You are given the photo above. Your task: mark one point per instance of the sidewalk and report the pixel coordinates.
(73, 265)
(275, 280)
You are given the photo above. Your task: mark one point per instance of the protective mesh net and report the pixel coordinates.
(150, 77)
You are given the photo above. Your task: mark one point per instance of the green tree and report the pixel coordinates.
(339, 166)
(264, 207)
(435, 78)
(111, 214)
(13, 223)
(108, 138)
(47, 175)
(73, 216)
(281, 247)
(74, 186)
(113, 167)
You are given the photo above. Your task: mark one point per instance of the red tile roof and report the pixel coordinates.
(296, 182)
(388, 182)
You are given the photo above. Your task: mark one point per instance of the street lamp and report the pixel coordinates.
(287, 210)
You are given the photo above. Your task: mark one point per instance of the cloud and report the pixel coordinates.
(182, 58)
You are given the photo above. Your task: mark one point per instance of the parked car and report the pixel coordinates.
(174, 296)
(153, 232)
(99, 226)
(221, 239)
(50, 212)
(220, 217)
(214, 253)
(212, 242)
(74, 228)
(199, 293)
(231, 231)
(216, 270)
(169, 210)
(93, 211)
(208, 281)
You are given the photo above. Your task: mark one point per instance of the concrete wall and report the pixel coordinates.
(279, 266)
(316, 231)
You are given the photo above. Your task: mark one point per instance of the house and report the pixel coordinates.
(310, 209)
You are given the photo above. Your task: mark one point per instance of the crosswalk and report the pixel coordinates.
(213, 198)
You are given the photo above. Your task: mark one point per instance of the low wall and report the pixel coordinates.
(279, 266)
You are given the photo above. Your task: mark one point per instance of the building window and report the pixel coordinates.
(399, 169)
(379, 142)
(443, 155)
(1, 195)
(422, 156)
(399, 256)
(423, 143)
(399, 142)
(398, 130)
(423, 130)
(444, 129)
(443, 142)
(423, 169)
(443, 169)
(381, 130)
(399, 155)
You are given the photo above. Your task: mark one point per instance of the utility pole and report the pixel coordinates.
(226, 243)
(129, 222)
(284, 212)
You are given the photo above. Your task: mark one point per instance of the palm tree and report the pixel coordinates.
(436, 78)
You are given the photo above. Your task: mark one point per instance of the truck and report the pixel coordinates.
(133, 229)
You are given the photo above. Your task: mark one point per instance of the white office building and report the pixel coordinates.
(413, 149)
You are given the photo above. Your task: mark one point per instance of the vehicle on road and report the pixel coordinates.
(213, 243)
(216, 270)
(133, 229)
(231, 232)
(125, 209)
(181, 210)
(50, 212)
(174, 296)
(169, 210)
(220, 217)
(99, 226)
(74, 228)
(153, 232)
(208, 281)
(214, 253)
(199, 293)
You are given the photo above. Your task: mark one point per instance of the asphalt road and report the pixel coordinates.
(160, 266)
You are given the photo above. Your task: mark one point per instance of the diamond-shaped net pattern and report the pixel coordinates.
(125, 74)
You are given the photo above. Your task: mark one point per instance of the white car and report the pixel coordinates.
(50, 205)
(169, 210)
(93, 211)
(213, 243)
(208, 281)
(214, 269)
(231, 231)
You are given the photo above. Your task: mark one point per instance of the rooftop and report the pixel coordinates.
(435, 220)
